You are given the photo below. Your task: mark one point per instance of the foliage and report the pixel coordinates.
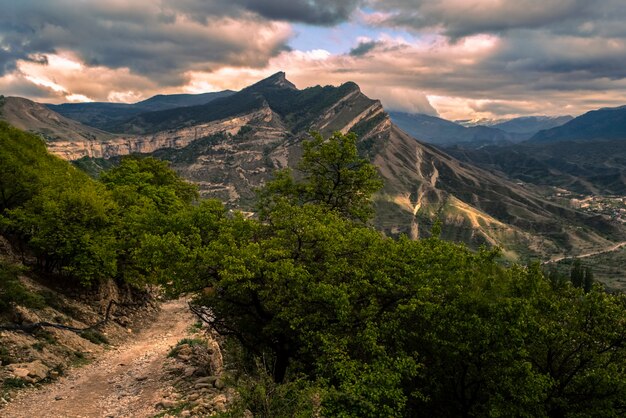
(13, 292)
(69, 229)
(265, 398)
(186, 341)
(333, 176)
(78, 228)
(581, 276)
(335, 318)
(95, 337)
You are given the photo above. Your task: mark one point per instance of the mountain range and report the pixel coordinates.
(586, 155)
(467, 134)
(231, 144)
(105, 115)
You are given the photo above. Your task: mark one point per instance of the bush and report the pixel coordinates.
(94, 336)
(187, 341)
(13, 292)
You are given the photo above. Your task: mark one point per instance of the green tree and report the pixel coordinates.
(588, 280)
(577, 274)
(150, 196)
(70, 229)
(330, 174)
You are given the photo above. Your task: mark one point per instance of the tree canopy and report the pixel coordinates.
(330, 316)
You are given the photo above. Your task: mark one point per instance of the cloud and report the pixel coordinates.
(155, 38)
(363, 48)
(321, 12)
(459, 18)
(458, 58)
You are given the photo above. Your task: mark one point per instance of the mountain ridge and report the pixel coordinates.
(601, 124)
(261, 129)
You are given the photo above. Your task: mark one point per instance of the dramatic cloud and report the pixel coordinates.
(321, 12)
(457, 58)
(364, 47)
(459, 18)
(149, 37)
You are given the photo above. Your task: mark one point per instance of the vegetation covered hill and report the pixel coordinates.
(232, 145)
(437, 131)
(601, 124)
(325, 315)
(585, 167)
(106, 115)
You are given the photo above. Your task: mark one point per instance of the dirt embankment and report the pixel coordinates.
(127, 381)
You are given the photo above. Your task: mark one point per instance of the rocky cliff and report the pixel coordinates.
(232, 145)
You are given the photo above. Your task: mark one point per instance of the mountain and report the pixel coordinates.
(231, 145)
(603, 124)
(106, 116)
(55, 128)
(442, 132)
(530, 125)
(586, 155)
(597, 167)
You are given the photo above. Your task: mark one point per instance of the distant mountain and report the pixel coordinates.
(422, 183)
(55, 128)
(530, 125)
(586, 155)
(105, 115)
(170, 101)
(442, 132)
(602, 124)
(231, 145)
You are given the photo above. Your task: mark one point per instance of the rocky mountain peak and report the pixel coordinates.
(276, 80)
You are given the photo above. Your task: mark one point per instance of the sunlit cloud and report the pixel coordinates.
(461, 59)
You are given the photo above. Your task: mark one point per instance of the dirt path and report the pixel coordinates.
(590, 254)
(127, 381)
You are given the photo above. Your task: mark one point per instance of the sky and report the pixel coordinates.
(459, 59)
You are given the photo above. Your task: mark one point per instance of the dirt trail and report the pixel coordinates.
(127, 381)
(589, 254)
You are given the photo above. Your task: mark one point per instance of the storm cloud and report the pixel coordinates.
(149, 37)
(458, 58)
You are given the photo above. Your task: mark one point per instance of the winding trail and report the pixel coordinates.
(589, 254)
(127, 381)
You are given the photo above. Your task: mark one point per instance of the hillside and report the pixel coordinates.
(105, 115)
(231, 146)
(437, 131)
(34, 117)
(584, 167)
(602, 124)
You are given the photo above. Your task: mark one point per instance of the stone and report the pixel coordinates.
(189, 371)
(34, 371)
(202, 385)
(166, 404)
(58, 398)
(219, 384)
(193, 397)
(207, 379)
(184, 357)
(184, 350)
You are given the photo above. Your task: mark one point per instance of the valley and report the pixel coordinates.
(491, 195)
(312, 209)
